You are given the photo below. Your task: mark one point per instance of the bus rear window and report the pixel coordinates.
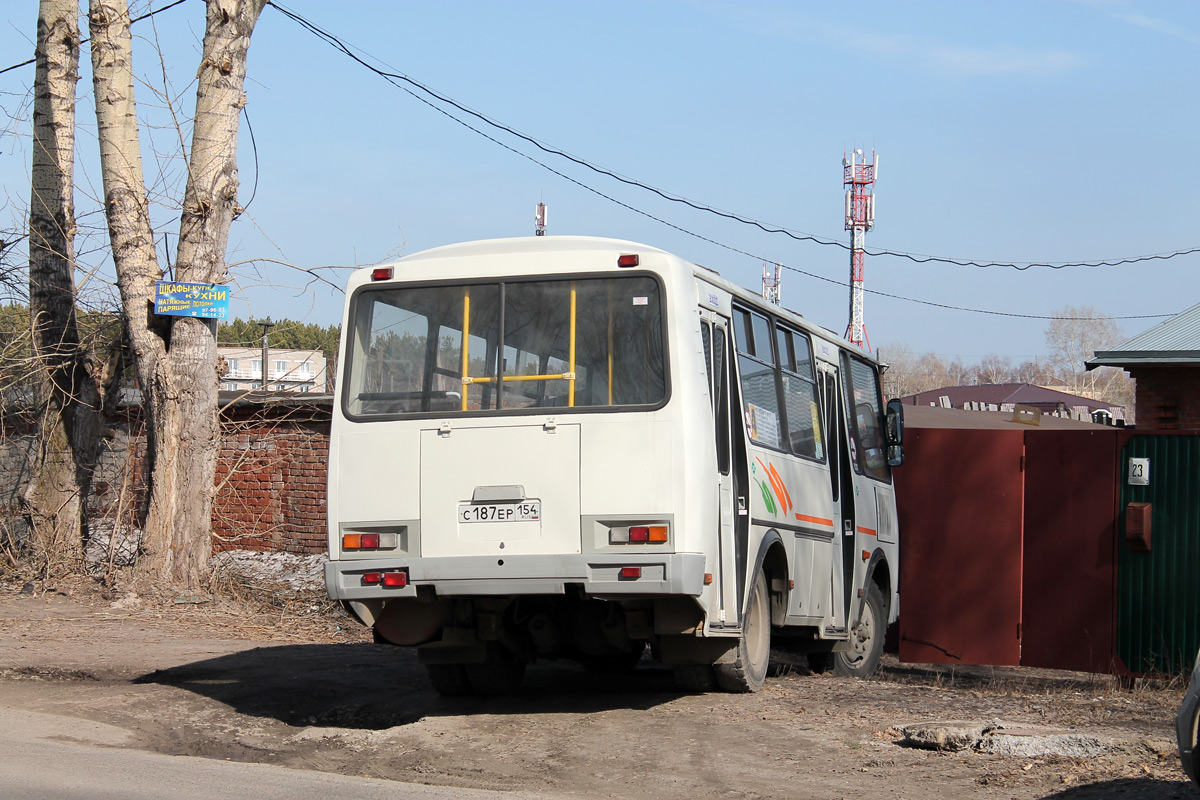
(584, 343)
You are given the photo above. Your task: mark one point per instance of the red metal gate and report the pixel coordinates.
(960, 503)
(1069, 550)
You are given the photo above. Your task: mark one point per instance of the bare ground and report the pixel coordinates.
(299, 685)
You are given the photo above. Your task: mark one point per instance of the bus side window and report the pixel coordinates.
(800, 395)
(866, 419)
(830, 382)
(706, 338)
(721, 397)
(756, 362)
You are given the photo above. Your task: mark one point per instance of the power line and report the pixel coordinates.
(394, 77)
(763, 226)
(84, 41)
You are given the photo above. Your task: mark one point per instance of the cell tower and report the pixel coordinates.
(859, 180)
(539, 220)
(772, 283)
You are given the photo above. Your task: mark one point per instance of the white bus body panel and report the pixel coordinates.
(591, 471)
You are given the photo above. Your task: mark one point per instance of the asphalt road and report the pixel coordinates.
(46, 757)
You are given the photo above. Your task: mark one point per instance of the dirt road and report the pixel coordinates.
(229, 685)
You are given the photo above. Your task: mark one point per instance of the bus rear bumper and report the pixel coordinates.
(597, 574)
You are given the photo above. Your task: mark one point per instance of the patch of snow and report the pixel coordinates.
(299, 572)
(110, 543)
(998, 739)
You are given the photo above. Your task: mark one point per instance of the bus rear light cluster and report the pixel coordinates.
(368, 541)
(638, 534)
(393, 580)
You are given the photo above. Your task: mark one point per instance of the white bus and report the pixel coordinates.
(570, 447)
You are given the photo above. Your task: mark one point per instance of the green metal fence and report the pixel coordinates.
(1158, 591)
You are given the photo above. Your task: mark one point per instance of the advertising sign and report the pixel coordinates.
(210, 301)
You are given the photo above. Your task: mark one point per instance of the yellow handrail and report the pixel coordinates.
(559, 377)
(568, 376)
(466, 340)
(571, 358)
(610, 346)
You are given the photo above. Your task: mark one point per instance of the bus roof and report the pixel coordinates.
(524, 244)
(596, 244)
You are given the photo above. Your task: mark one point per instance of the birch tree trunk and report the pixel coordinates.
(176, 357)
(69, 419)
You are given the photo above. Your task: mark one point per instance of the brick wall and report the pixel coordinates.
(1168, 398)
(271, 487)
(270, 478)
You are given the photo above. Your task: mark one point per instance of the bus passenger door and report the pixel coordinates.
(718, 350)
(841, 479)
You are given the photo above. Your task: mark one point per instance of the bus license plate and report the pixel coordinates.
(529, 511)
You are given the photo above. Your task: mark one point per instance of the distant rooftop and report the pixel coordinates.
(1175, 341)
(927, 417)
(1004, 396)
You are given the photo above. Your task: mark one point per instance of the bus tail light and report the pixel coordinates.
(369, 541)
(638, 534)
(631, 573)
(372, 578)
(628, 260)
(381, 274)
(396, 580)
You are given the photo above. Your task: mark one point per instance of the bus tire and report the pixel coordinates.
(500, 673)
(749, 670)
(449, 680)
(866, 641)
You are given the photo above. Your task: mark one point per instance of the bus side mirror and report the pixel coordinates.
(895, 422)
(895, 432)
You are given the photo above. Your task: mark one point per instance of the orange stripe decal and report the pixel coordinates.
(781, 492)
(867, 531)
(814, 520)
(783, 486)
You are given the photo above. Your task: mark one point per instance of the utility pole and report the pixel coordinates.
(859, 180)
(266, 351)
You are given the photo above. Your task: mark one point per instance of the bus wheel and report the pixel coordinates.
(449, 680)
(749, 670)
(866, 641)
(500, 673)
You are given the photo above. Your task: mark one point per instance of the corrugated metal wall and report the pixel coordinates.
(987, 544)
(1158, 597)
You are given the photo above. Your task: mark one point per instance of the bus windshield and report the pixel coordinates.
(506, 345)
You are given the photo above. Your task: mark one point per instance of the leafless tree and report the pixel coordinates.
(175, 357)
(1074, 336)
(68, 395)
(1032, 371)
(993, 369)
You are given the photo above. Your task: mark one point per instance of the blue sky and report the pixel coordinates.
(1059, 130)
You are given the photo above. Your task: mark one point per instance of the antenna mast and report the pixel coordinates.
(772, 284)
(859, 180)
(539, 219)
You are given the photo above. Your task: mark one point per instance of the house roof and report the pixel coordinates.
(999, 394)
(931, 417)
(1175, 341)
